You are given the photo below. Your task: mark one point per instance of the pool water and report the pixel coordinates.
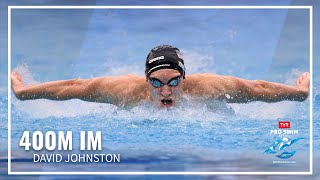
(187, 138)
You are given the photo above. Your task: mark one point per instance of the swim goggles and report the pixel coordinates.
(172, 82)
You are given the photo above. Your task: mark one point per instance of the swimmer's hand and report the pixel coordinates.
(303, 82)
(16, 84)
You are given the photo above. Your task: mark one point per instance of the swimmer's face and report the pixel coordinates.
(171, 87)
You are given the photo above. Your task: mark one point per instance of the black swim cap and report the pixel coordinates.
(164, 57)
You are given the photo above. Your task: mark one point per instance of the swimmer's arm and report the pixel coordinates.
(236, 90)
(114, 90)
(258, 90)
(55, 90)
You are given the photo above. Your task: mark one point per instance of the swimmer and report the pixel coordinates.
(165, 83)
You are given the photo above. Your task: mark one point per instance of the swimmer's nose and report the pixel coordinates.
(165, 90)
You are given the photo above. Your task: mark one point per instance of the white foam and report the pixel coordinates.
(198, 63)
(116, 70)
(260, 110)
(24, 71)
(292, 76)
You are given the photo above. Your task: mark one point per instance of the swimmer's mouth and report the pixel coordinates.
(167, 102)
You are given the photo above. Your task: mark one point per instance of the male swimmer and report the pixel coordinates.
(164, 84)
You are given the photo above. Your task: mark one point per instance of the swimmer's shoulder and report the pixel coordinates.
(136, 87)
(124, 89)
(202, 84)
(194, 80)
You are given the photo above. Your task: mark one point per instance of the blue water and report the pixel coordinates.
(253, 44)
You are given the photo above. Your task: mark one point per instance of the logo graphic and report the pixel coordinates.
(283, 124)
(156, 59)
(280, 145)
